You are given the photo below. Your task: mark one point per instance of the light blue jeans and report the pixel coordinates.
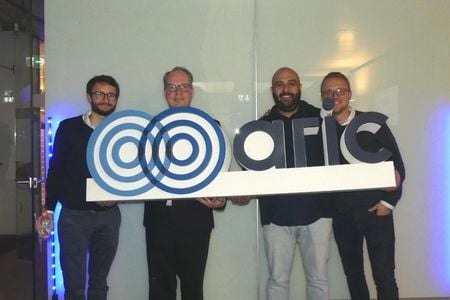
(280, 243)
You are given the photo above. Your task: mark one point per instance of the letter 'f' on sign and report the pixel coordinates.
(248, 155)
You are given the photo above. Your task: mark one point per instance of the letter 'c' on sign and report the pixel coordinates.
(352, 151)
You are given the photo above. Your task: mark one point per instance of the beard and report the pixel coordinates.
(285, 106)
(106, 110)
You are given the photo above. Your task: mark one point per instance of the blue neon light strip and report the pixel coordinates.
(438, 180)
(57, 282)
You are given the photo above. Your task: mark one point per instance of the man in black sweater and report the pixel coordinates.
(83, 226)
(365, 214)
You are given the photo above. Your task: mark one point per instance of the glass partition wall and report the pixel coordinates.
(215, 41)
(396, 55)
(22, 255)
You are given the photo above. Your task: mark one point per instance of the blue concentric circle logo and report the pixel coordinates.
(179, 151)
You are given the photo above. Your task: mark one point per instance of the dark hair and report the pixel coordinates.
(102, 78)
(182, 69)
(334, 75)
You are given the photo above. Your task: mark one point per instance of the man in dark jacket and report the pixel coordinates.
(178, 232)
(295, 218)
(365, 214)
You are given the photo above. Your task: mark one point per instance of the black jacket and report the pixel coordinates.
(296, 209)
(373, 143)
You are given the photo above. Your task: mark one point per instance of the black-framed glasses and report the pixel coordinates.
(183, 87)
(101, 95)
(337, 92)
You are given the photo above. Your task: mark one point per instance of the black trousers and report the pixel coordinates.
(350, 227)
(172, 252)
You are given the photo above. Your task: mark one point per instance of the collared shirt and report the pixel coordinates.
(87, 120)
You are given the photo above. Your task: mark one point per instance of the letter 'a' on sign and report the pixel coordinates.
(249, 156)
(353, 153)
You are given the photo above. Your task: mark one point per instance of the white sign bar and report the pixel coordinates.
(274, 181)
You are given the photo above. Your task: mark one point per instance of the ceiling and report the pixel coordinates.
(23, 15)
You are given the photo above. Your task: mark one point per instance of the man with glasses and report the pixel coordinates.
(365, 214)
(84, 227)
(178, 232)
(295, 218)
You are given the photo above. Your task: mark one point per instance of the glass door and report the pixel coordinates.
(22, 254)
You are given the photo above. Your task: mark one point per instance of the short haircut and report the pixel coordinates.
(334, 75)
(104, 79)
(285, 69)
(182, 69)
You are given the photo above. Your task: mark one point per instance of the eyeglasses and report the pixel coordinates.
(337, 92)
(101, 95)
(184, 87)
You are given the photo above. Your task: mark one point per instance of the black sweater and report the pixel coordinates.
(295, 209)
(68, 171)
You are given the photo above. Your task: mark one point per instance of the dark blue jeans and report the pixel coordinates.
(82, 232)
(350, 227)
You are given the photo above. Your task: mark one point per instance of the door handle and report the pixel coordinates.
(32, 182)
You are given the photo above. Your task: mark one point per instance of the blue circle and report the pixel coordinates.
(163, 168)
(148, 166)
(147, 136)
(116, 152)
(205, 160)
(104, 149)
(194, 154)
(90, 155)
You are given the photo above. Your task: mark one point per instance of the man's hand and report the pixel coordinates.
(380, 210)
(267, 113)
(106, 203)
(212, 202)
(240, 199)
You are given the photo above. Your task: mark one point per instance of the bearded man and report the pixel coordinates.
(289, 219)
(84, 227)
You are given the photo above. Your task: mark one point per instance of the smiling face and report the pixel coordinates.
(178, 89)
(103, 99)
(339, 90)
(286, 91)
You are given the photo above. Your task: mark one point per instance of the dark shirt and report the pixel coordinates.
(295, 209)
(68, 170)
(383, 138)
(183, 215)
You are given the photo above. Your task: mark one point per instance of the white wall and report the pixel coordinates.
(395, 53)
